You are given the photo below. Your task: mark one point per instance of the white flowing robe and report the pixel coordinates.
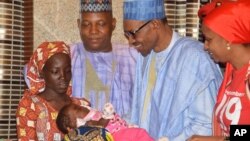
(175, 90)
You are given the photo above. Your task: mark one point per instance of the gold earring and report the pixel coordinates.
(218, 4)
(228, 46)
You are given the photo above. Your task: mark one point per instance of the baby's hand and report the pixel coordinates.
(108, 111)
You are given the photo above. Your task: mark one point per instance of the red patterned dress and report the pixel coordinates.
(36, 119)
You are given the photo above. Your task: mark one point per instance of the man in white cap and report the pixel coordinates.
(102, 71)
(176, 82)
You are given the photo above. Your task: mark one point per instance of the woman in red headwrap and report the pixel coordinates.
(49, 73)
(226, 28)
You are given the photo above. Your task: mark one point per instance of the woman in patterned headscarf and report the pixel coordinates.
(226, 27)
(49, 73)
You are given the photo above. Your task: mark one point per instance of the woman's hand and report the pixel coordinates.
(249, 80)
(248, 87)
(205, 138)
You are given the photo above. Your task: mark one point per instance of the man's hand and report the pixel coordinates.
(205, 138)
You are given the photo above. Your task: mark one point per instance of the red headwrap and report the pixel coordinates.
(231, 20)
(38, 60)
(204, 10)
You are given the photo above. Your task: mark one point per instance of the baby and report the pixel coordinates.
(72, 117)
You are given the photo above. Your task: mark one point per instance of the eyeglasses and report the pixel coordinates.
(132, 33)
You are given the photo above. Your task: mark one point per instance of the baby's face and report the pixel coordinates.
(80, 112)
(77, 112)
